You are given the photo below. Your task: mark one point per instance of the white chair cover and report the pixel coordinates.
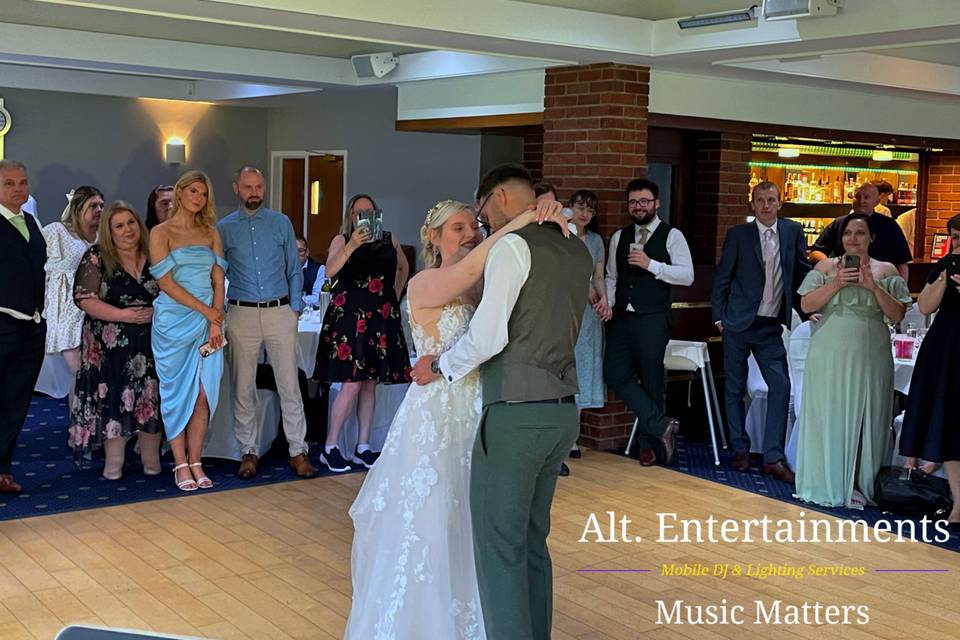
(221, 437)
(757, 392)
(55, 377)
(797, 358)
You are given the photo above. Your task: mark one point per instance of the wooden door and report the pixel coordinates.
(325, 202)
(292, 192)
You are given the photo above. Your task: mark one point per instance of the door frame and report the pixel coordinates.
(276, 178)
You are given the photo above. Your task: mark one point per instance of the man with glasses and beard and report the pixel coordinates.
(646, 259)
(263, 307)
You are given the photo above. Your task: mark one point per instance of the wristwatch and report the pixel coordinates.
(435, 368)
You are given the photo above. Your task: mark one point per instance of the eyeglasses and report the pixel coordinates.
(640, 202)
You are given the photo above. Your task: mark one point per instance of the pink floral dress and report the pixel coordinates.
(117, 386)
(362, 338)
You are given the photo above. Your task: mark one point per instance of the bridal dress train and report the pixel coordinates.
(412, 560)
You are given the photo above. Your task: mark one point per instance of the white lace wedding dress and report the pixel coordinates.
(412, 559)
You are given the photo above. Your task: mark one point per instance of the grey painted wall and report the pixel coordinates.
(406, 172)
(114, 144)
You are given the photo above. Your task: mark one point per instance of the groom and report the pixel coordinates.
(523, 334)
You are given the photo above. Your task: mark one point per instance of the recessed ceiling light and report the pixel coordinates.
(788, 152)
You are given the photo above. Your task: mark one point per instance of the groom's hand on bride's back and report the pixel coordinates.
(422, 374)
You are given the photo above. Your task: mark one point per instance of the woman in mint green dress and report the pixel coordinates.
(847, 405)
(187, 260)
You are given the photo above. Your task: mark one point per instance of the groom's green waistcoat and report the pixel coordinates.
(538, 362)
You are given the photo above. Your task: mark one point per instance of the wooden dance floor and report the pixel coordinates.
(274, 562)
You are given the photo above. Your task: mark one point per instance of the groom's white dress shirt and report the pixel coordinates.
(505, 273)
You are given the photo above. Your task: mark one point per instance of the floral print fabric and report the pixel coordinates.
(362, 338)
(117, 391)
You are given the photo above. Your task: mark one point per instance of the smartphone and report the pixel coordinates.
(206, 349)
(953, 265)
(851, 262)
(636, 246)
(372, 219)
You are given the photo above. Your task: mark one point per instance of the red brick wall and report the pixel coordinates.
(533, 153)
(722, 183)
(595, 137)
(943, 194)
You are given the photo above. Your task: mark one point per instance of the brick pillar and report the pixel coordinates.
(722, 186)
(533, 153)
(595, 137)
(943, 195)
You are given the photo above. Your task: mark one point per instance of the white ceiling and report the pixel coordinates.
(235, 49)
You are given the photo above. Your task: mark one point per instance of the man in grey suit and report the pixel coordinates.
(761, 267)
(523, 334)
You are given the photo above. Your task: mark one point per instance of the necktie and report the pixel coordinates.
(643, 235)
(769, 255)
(21, 224)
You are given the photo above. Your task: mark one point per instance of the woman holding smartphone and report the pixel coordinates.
(847, 408)
(187, 261)
(361, 340)
(930, 424)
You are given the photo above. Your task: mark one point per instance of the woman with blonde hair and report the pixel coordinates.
(187, 261)
(117, 386)
(412, 516)
(67, 241)
(361, 340)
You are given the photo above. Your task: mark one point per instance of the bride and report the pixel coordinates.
(412, 558)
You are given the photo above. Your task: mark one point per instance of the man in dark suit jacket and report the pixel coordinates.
(761, 267)
(22, 329)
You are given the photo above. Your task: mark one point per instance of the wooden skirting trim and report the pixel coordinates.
(471, 122)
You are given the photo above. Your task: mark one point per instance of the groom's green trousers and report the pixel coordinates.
(516, 459)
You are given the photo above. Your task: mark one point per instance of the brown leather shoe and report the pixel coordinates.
(669, 439)
(648, 457)
(740, 462)
(8, 484)
(780, 471)
(302, 467)
(248, 467)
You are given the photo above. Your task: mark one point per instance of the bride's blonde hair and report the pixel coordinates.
(435, 219)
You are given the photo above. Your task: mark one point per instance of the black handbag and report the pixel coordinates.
(911, 492)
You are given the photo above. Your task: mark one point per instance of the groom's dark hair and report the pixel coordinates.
(500, 174)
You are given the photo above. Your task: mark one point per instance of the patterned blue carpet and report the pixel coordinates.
(52, 482)
(696, 459)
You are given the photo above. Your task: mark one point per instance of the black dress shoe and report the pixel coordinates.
(576, 454)
(648, 457)
(740, 462)
(564, 469)
(780, 471)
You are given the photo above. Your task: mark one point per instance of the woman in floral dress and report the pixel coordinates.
(117, 386)
(361, 341)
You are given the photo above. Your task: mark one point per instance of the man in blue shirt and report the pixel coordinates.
(264, 300)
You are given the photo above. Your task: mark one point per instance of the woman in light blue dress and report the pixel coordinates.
(187, 261)
(589, 348)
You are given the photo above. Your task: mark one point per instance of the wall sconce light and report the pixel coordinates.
(176, 151)
(315, 196)
(788, 152)
(882, 155)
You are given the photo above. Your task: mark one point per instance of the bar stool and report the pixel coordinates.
(683, 355)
